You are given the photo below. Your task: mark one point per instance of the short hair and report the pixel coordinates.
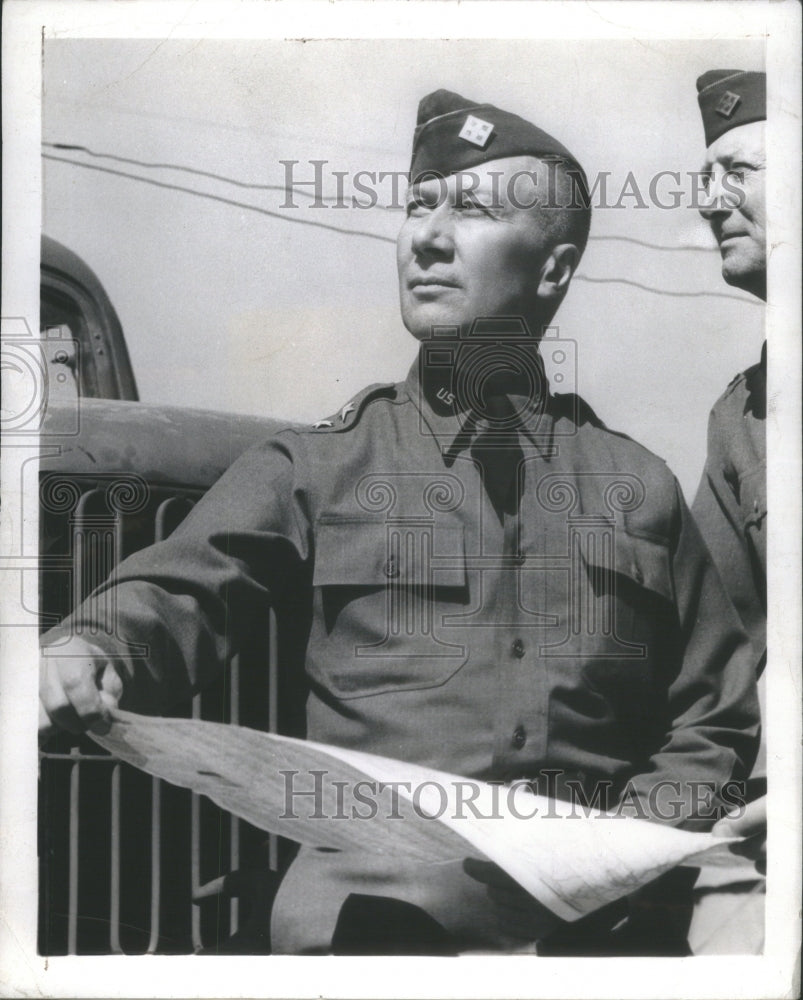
(572, 200)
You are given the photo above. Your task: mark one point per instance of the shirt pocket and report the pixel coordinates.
(382, 590)
(633, 626)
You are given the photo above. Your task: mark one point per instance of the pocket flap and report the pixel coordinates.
(643, 560)
(369, 553)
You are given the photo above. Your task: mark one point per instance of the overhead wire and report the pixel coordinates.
(156, 165)
(225, 201)
(318, 224)
(663, 291)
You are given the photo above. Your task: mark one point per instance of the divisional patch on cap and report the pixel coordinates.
(730, 97)
(476, 130)
(454, 134)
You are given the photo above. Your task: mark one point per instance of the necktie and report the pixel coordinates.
(497, 451)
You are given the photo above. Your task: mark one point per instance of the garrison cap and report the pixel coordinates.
(454, 134)
(730, 97)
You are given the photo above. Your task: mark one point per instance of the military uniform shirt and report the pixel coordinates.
(731, 511)
(731, 503)
(570, 620)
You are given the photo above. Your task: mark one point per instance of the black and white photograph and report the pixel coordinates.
(401, 499)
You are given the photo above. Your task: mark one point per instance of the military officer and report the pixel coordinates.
(731, 503)
(477, 574)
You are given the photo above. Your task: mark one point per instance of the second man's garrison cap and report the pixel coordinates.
(730, 97)
(454, 134)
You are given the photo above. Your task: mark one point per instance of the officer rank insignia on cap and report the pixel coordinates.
(476, 130)
(727, 104)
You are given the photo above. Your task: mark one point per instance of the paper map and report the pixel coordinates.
(324, 796)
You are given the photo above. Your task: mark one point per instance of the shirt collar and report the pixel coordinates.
(440, 415)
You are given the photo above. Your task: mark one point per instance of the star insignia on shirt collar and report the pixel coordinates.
(322, 423)
(348, 408)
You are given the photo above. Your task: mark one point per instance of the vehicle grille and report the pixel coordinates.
(129, 864)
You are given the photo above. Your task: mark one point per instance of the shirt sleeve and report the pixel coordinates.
(180, 609)
(711, 710)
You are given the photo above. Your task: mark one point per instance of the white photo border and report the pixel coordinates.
(22, 971)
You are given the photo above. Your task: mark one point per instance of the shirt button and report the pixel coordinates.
(755, 506)
(390, 568)
(519, 737)
(517, 648)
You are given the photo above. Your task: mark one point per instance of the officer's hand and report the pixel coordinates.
(752, 824)
(518, 913)
(78, 687)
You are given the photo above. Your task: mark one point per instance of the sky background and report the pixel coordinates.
(260, 310)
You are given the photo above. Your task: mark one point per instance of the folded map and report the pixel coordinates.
(571, 859)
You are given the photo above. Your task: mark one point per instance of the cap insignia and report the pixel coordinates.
(728, 104)
(476, 131)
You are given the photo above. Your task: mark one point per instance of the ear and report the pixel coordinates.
(557, 271)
